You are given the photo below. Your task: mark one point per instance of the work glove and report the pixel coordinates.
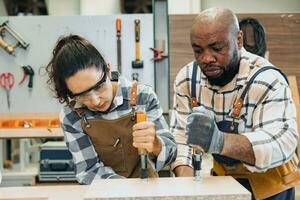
(202, 131)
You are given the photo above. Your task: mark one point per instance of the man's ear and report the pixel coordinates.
(108, 72)
(240, 39)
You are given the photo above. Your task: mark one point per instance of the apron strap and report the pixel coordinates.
(133, 94)
(193, 85)
(239, 103)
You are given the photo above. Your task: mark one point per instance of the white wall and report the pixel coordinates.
(83, 7)
(256, 6)
(2, 8)
(63, 7)
(184, 6)
(99, 7)
(238, 6)
(111, 7)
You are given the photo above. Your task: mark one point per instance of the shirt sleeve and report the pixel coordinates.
(87, 164)
(168, 146)
(274, 137)
(181, 109)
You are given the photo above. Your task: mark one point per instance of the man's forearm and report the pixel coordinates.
(238, 147)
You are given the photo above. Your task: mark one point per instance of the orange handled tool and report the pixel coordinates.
(119, 57)
(142, 117)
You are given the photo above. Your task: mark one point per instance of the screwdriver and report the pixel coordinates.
(142, 117)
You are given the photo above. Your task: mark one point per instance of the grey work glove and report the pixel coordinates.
(203, 131)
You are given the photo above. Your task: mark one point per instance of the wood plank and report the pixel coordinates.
(15, 133)
(33, 115)
(168, 188)
(74, 192)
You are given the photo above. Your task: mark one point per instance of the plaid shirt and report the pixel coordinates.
(267, 118)
(88, 163)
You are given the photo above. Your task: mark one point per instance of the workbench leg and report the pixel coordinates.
(1, 154)
(22, 154)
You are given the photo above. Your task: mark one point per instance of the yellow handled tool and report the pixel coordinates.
(142, 117)
(137, 63)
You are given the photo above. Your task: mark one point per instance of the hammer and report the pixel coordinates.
(137, 63)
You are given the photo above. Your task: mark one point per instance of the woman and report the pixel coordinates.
(98, 119)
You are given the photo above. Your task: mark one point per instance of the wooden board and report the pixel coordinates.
(74, 192)
(282, 34)
(217, 188)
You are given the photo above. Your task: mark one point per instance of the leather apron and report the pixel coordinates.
(112, 140)
(276, 183)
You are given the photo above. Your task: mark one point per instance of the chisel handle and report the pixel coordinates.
(118, 27)
(141, 117)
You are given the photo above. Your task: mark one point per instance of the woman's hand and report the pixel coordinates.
(144, 137)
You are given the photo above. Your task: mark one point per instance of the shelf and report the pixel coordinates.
(17, 133)
(44, 125)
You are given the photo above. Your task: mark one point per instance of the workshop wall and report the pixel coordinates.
(282, 37)
(42, 33)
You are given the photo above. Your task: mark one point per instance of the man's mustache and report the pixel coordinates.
(210, 67)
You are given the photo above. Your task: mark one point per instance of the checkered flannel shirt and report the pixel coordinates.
(87, 161)
(267, 118)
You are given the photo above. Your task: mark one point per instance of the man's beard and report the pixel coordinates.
(228, 74)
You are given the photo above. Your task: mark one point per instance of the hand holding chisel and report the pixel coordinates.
(142, 117)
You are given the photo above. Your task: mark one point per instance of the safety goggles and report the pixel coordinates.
(97, 89)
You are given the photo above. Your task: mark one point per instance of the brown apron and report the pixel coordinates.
(112, 140)
(266, 184)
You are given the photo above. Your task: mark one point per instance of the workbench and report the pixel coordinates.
(8, 132)
(216, 188)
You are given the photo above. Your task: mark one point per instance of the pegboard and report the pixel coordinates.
(42, 32)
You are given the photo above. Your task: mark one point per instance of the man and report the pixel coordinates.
(99, 118)
(237, 106)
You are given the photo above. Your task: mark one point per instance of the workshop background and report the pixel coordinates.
(30, 133)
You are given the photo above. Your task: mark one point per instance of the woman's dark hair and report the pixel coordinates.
(70, 55)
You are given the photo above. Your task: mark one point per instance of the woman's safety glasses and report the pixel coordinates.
(98, 88)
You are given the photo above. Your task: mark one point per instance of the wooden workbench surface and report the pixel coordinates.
(217, 188)
(73, 192)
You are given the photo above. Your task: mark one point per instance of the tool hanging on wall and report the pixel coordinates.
(28, 71)
(158, 54)
(135, 76)
(137, 63)
(7, 81)
(159, 50)
(119, 57)
(10, 48)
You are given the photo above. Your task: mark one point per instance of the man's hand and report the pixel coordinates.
(203, 131)
(183, 170)
(144, 136)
